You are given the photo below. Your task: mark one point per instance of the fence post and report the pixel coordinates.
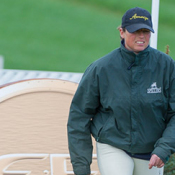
(155, 20)
(1, 62)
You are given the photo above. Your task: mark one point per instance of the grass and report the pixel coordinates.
(67, 35)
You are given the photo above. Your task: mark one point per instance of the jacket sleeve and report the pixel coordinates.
(165, 146)
(83, 107)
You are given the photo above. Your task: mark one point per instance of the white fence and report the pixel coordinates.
(10, 75)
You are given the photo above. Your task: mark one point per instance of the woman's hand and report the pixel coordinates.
(155, 161)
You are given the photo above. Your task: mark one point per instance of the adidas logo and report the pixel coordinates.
(154, 89)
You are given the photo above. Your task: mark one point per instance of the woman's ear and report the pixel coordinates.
(122, 33)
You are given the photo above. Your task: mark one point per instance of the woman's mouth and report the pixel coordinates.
(140, 42)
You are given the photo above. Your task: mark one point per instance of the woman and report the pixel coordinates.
(126, 100)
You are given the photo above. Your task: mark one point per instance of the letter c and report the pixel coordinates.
(9, 159)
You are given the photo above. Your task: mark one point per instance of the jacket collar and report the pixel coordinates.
(131, 57)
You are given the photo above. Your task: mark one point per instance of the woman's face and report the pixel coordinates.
(136, 41)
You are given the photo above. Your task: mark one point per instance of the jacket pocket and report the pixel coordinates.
(102, 129)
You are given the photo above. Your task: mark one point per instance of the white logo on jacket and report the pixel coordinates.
(154, 89)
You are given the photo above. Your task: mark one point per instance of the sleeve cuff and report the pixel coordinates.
(82, 170)
(164, 156)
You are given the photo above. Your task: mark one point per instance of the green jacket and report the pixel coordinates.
(127, 101)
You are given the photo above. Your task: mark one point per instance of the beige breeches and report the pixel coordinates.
(114, 161)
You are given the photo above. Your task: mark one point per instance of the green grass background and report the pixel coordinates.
(67, 35)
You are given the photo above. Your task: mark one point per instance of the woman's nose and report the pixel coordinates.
(141, 34)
